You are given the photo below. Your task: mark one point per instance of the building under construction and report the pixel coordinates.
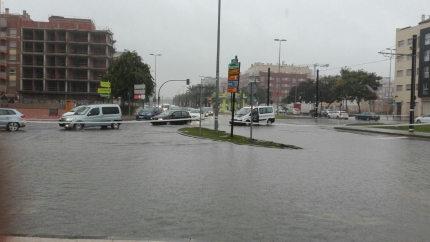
(50, 62)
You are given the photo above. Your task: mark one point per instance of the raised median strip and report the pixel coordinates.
(397, 130)
(236, 139)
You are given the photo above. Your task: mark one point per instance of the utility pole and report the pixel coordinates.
(316, 95)
(413, 97)
(268, 86)
(217, 70)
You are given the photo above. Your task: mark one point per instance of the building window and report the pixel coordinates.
(12, 83)
(12, 58)
(410, 41)
(409, 57)
(294, 80)
(399, 88)
(426, 72)
(400, 43)
(425, 89)
(409, 72)
(399, 73)
(427, 39)
(400, 59)
(12, 71)
(427, 55)
(12, 45)
(408, 87)
(12, 32)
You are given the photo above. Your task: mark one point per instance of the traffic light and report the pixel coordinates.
(188, 81)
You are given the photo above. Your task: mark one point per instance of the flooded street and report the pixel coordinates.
(149, 182)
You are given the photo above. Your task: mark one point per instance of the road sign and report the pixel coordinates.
(138, 97)
(104, 90)
(234, 66)
(233, 83)
(142, 92)
(232, 89)
(105, 84)
(139, 86)
(104, 95)
(251, 88)
(233, 77)
(234, 72)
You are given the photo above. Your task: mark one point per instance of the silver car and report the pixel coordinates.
(11, 119)
(423, 119)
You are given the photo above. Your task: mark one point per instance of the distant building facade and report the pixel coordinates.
(280, 83)
(403, 69)
(62, 59)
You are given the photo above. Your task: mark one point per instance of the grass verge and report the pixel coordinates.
(403, 127)
(237, 139)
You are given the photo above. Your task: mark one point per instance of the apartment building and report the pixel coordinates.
(403, 68)
(280, 82)
(51, 62)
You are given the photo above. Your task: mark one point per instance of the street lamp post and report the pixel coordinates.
(155, 81)
(389, 79)
(316, 64)
(279, 76)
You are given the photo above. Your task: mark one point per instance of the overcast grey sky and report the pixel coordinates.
(336, 32)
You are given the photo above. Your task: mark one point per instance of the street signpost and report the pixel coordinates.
(104, 90)
(233, 85)
(139, 92)
(105, 84)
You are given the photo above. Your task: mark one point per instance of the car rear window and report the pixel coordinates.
(110, 110)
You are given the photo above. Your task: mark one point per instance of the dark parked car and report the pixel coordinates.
(172, 117)
(148, 113)
(368, 116)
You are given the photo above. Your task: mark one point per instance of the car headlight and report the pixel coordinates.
(69, 119)
(160, 118)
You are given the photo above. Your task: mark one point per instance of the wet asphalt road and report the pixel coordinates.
(148, 182)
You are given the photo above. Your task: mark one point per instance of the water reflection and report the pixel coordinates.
(150, 182)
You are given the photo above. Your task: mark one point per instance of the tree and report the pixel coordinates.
(304, 92)
(358, 86)
(126, 71)
(327, 88)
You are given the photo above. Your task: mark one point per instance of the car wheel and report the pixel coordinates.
(418, 121)
(13, 126)
(168, 123)
(269, 122)
(78, 126)
(337, 117)
(356, 117)
(188, 121)
(115, 126)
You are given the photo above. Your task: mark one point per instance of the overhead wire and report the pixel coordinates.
(354, 65)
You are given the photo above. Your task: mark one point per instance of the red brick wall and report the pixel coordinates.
(40, 113)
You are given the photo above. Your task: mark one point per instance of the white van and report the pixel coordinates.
(102, 115)
(261, 115)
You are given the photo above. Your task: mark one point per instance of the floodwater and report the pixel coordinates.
(149, 182)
